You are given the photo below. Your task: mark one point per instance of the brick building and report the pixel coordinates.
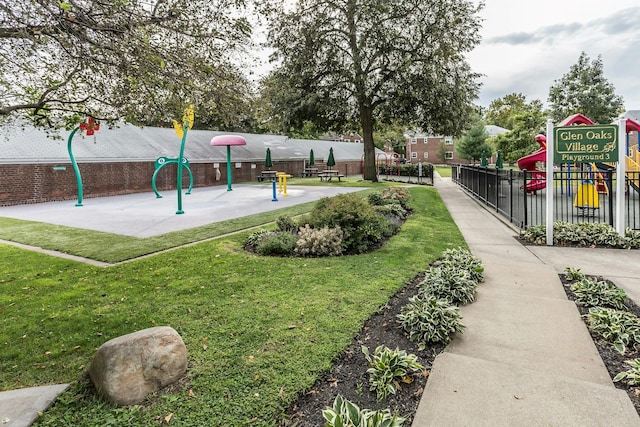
(422, 148)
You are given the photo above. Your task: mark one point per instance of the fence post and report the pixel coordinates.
(526, 203)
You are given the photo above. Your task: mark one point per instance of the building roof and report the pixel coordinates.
(494, 130)
(132, 143)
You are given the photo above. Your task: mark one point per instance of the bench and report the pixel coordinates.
(309, 172)
(327, 175)
(270, 175)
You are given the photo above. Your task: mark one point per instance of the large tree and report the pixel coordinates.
(584, 89)
(142, 61)
(368, 60)
(523, 119)
(474, 142)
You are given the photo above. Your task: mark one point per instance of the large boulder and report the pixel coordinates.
(126, 369)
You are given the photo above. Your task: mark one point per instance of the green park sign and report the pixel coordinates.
(585, 144)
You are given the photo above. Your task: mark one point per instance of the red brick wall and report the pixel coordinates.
(37, 183)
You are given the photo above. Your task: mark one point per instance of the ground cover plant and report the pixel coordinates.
(613, 321)
(259, 330)
(583, 234)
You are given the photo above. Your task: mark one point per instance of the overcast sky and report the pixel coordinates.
(527, 45)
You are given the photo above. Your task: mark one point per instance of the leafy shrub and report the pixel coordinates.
(573, 274)
(255, 237)
(617, 327)
(388, 367)
(286, 223)
(362, 228)
(375, 199)
(583, 234)
(461, 258)
(391, 210)
(319, 242)
(449, 283)
(280, 243)
(428, 319)
(397, 195)
(344, 413)
(632, 375)
(598, 293)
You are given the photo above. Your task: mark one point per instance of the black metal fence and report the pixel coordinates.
(580, 195)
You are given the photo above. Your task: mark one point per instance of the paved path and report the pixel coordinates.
(526, 357)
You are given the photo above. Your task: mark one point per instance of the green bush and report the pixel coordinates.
(286, 223)
(598, 293)
(375, 199)
(619, 328)
(449, 283)
(280, 243)
(255, 237)
(428, 319)
(362, 228)
(319, 242)
(397, 195)
(391, 210)
(344, 413)
(388, 367)
(573, 273)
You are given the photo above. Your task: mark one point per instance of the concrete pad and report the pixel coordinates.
(523, 279)
(143, 215)
(489, 252)
(543, 334)
(20, 408)
(465, 391)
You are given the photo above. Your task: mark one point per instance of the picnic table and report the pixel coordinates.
(309, 172)
(328, 174)
(271, 175)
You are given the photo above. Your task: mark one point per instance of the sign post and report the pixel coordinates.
(549, 182)
(620, 174)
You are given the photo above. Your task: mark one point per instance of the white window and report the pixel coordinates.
(448, 155)
(426, 155)
(414, 140)
(448, 140)
(414, 155)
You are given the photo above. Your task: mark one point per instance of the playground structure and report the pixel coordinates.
(90, 127)
(594, 182)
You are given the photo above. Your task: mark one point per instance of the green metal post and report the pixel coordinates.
(75, 165)
(180, 157)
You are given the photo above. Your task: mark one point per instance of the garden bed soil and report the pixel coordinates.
(348, 376)
(614, 361)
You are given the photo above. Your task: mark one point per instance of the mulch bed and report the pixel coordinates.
(348, 376)
(614, 361)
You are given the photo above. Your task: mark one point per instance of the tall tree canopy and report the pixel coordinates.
(141, 61)
(523, 119)
(584, 89)
(474, 142)
(366, 60)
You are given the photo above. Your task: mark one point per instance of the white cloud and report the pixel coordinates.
(528, 45)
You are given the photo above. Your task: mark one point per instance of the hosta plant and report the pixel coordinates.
(632, 375)
(387, 368)
(461, 258)
(598, 293)
(344, 413)
(428, 319)
(619, 328)
(449, 283)
(573, 274)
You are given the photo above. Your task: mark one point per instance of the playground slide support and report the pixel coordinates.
(620, 174)
(550, 185)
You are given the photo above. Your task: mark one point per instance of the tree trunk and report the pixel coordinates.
(370, 172)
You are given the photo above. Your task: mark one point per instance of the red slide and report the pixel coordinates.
(538, 177)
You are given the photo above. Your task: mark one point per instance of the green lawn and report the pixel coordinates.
(258, 330)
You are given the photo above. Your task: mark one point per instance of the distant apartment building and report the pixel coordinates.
(431, 149)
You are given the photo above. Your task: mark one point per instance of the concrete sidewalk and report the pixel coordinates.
(526, 357)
